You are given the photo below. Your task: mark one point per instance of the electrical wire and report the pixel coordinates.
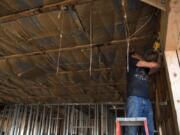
(142, 26)
(61, 18)
(126, 32)
(91, 38)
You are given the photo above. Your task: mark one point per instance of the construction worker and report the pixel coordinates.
(138, 102)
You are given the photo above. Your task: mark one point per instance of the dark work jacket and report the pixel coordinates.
(138, 80)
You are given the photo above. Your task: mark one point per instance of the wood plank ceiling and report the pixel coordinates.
(30, 46)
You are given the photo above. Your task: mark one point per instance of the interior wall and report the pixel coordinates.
(81, 119)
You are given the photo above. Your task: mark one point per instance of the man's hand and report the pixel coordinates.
(154, 65)
(146, 64)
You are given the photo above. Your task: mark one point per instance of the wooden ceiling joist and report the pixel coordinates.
(85, 71)
(39, 10)
(70, 72)
(156, 3)
(84, 46)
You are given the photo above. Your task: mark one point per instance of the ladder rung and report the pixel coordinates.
(138, 121)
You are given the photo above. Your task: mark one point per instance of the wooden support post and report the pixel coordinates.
(172, 39)
(173, 72)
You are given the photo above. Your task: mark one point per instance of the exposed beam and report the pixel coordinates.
(62, 103)
(42, 9)
(96, 85)
(86, 70)
(173, 73)
(46, 97)
(84, 46)
(22, 74)
(156, 3)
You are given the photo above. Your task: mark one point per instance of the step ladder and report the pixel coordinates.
(133, 121)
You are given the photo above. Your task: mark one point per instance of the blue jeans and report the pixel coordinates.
(139, 107)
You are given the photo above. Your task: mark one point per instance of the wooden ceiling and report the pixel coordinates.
(31, 48)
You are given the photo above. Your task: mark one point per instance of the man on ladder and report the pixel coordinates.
(138, 102)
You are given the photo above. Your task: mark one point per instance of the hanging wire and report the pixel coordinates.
(91, 38)
(125, 18)
(126, 32)
(61, 18)
(142, 26)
